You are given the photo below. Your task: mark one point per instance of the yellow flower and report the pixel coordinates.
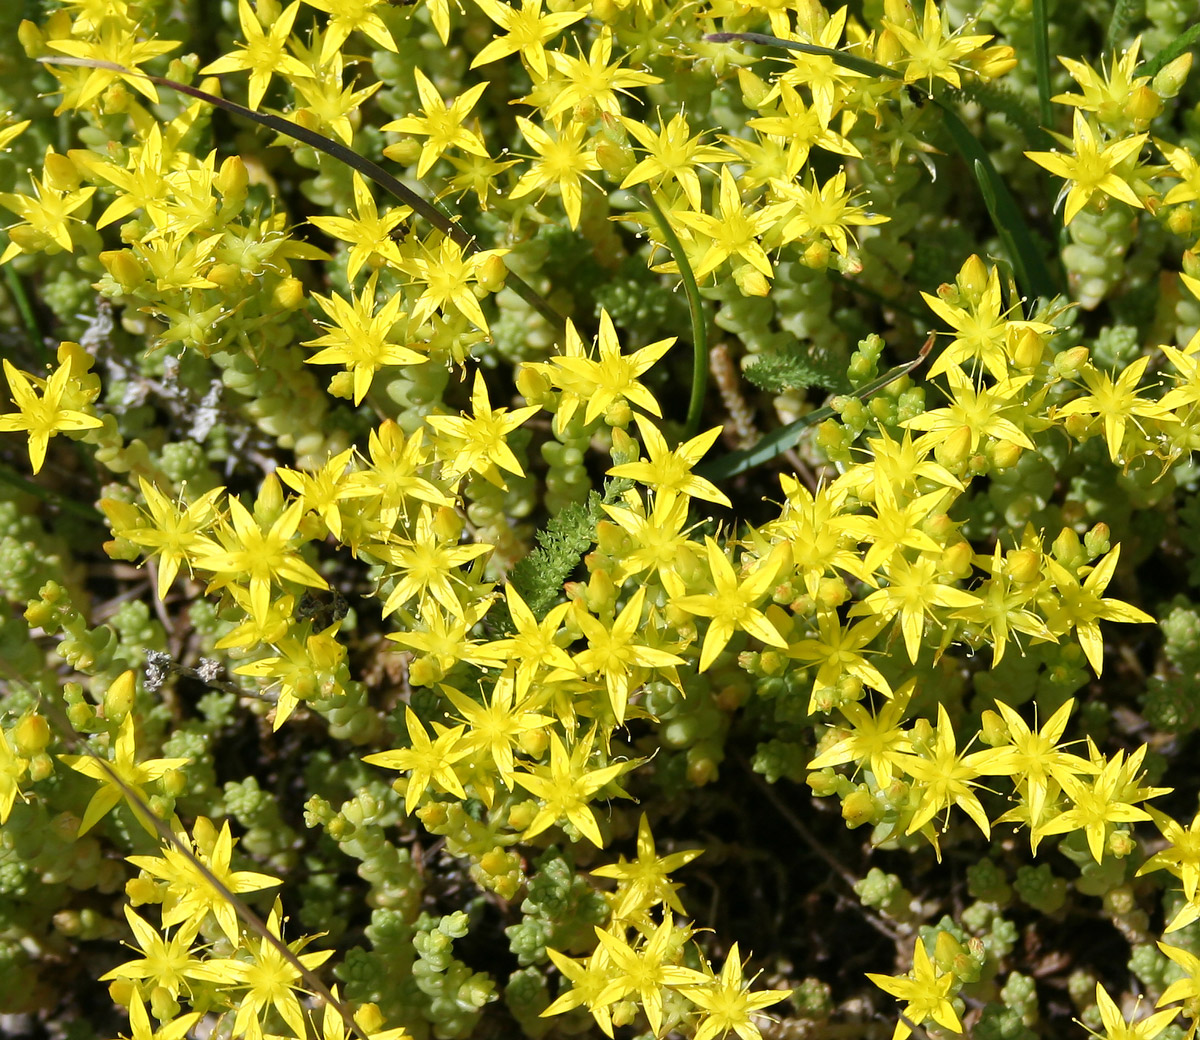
(526, 31)
(347, 16)
(617, 651)
(447, 275)
(262, 556)
(42, 417)
(426, 563)
(732, 604)
(824, 209)
(477, 443)
(190, 895)
(1092, 168)
(370, 234)
(119, 46)
(672, 153)
(592, 82)
(729, 1002)
(1116, 401)
(566, 785)
(46, 215)
(933, 53)
(733, 231)
(562, 160)
(359, 337)
(124, 776)
(441, 125)
(172, 533)
(1080, 606)
(610, 379)
(1117, 1028)
(426, 761)
(264, 53)
(669, 472)
(927, 994)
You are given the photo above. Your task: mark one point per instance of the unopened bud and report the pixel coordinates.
(232, 179)
(1028, 350)
(288, 295)
(31, 734)
(1143, 105)
(955, 449)
(1004, 454)
(1181, 220)
(1171, 77)
(889, 51)
(751, 281)
(1069, 363)
(60, 172)
(754, 88)
(118, 701)
(491, 273)
(973, 277)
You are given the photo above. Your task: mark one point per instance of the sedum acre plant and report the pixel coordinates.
(406, 641)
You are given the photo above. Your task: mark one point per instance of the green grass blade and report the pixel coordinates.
(1030, 269)
(1185, 42)
(696, 308)
(1041, 61)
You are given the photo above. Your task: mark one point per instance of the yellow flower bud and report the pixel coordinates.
(60, 172)
(956, 560)
(434, 815)
(425, 671)
(405, 152)
(751, 281)
(118, 701)
(754, 88)
(226, 276)
(31, 38)
(1069, 363)
(889, 50)
(1028, 350)
(174, 782)
(992, 729)
(491, 273)
(1143, 105)
(1004, 454)
(308, 119)
(1171, 77)
(857, 807)
(1181, 220)
(121, 991)
(31, 734)
(369, 1017)
(955, 449)
(232, 179)
(973, 277)
(1077, 426)
(615, 158)
(816, 255)
(1067, 548)
(142, 890)
(447, 524)
(289, 294)
(521, 815)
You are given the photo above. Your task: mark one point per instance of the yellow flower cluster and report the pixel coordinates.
(847, 568)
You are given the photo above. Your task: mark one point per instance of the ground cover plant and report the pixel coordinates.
(599, 517)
